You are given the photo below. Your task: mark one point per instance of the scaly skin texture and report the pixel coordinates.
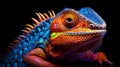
(55, 41)
(73, 37)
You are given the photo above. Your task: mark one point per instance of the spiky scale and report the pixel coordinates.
(39, 17)
(35, 21)
(25, 31)
(50, 13)
(30, 26)
(53, 13)
(43, 17)
(46, 15)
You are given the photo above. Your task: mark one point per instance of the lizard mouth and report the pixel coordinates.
(86, 33)
(67, 43)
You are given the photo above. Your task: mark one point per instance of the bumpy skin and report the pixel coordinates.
(73, 35)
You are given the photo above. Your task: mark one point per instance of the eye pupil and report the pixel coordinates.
(69, 20)
(92, 25)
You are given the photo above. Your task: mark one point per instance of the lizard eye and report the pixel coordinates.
(92, 26)
(70, 22)
(69, 19)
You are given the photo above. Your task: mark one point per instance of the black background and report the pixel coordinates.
(15, 14)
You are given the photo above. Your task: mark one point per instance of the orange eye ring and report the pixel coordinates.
(70, 19)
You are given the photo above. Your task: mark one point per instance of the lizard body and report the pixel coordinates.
(68, 36)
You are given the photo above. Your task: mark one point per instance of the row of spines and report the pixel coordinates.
(29, 27)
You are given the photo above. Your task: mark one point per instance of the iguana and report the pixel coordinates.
(52, 39)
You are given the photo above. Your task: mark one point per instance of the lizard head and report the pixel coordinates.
(76, 31)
